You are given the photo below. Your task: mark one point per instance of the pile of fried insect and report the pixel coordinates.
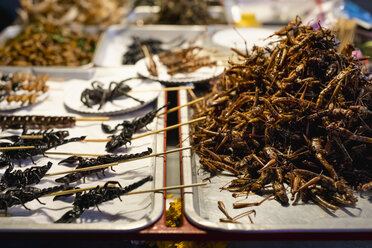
(17, 187)
(291, 120)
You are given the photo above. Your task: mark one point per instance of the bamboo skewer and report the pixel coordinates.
(25, 136)
(73, 191)
(181, 106)
(92, 118)
(116, 163)
(164, 89)
(150, 133)
(16, 148)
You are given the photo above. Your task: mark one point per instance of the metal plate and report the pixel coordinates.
(132, 213)
(201, 203)
(147, 14)
(115, 41)
(82, 72)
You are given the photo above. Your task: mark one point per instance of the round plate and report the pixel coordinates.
(145, 90)
(5, 106)
(199, 75)
(236, 38)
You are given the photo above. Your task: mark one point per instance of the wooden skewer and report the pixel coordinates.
(73, 191)
(150, 133)
(102, 166)
(164, 89)
(16, 148)
(92, 118)
(25, 136)
(170, 127)
(181, 106)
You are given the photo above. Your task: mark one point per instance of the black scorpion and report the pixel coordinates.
(100, 95)
(128, 129)
(135, 124)
(7, 156)
(21, 178)
(89, 162)
(96, 196)
(49, 137)
(16, 196)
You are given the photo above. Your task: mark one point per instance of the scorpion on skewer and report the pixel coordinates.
(21, 178)
(49, 137)
(89, 162)
(15, 196)
(98, 94)
(129, 128)
(7, 156)
(98, 195)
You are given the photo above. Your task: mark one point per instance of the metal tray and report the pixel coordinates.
(115, 41)
(134, 212)
(143, 14)
(201, 209)
(82, 72)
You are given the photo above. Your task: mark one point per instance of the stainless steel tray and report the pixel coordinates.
(82, 72)
(133, 213)
(143, 14)
(201, 209)
(115, 41)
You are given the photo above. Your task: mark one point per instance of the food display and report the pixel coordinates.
(273, 123)
(48, 45)
(191, 12)
(135, 52)
(21, 89)
(291, 115)
(70, 12)
(98, 94)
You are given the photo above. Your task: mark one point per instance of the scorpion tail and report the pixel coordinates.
(136, 185)
(107, 129)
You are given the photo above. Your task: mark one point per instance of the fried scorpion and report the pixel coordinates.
(89, 162)
(21, 178)
(98, 94)
(129, 128)
(96, 196)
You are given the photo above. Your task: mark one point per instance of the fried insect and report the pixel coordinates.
(98, 94)
(134, 52)
(15, 196)
(129, 128)
(89, 162)
(35, 121)
(296, 114)
(135, 124)
(48, 137)
(7, 157)
(96, 196)
(21, 178)
(185, 60)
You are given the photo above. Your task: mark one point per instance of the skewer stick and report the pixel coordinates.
(92, 118)
(102, 166)
(73, 191)
(16, 148)
(164, 89)
(75, 154)
(150, 133)
(170, 127)
(25, 137)
(181, 106)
